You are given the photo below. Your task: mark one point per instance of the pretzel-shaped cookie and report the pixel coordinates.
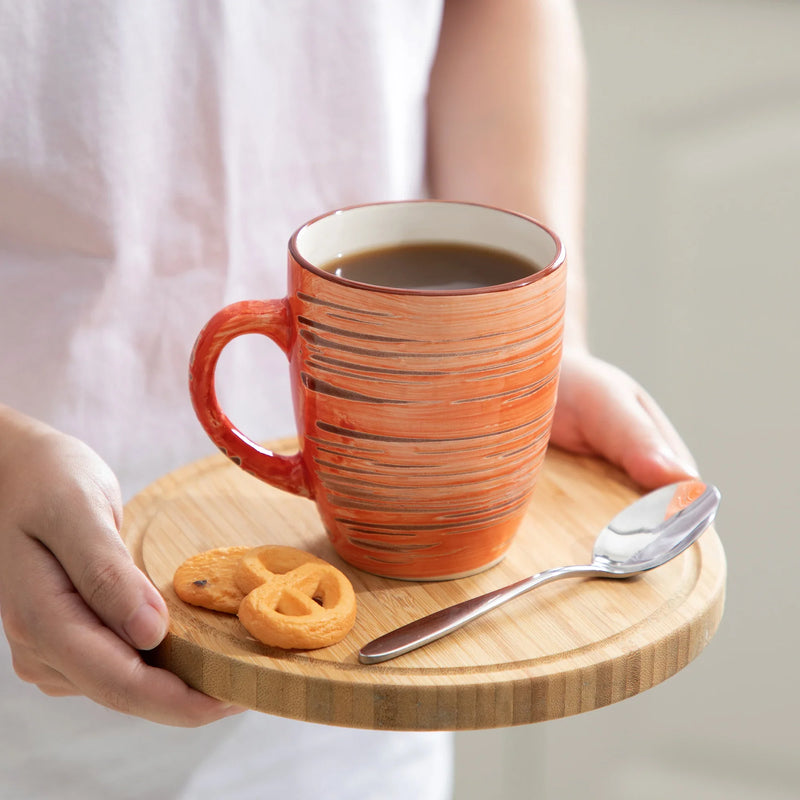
(284, 597)
(294, 599)
(207, 579)
(259, 565)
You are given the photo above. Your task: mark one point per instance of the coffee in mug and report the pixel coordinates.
(432, 266)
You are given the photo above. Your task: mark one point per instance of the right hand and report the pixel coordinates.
(602, 411)
(75, 608)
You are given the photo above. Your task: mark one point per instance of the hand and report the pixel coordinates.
(75, 608)
(602, 411)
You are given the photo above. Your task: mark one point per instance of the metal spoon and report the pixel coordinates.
(647, 534)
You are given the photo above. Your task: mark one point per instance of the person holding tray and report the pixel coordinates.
(153, 160)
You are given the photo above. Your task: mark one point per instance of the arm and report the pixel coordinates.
(74, 606)
(506, 127)
(507, 119)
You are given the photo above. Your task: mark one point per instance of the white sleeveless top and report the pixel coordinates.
(154, 160)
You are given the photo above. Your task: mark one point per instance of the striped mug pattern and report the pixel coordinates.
(423, 416)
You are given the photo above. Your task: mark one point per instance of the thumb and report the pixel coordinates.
(81, 530)
(103, 573)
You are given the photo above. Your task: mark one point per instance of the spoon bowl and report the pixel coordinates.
(656, 528)
(648, 533)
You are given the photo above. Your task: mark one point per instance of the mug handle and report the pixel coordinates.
(270, 318)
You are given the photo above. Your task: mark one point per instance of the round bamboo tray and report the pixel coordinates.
(563, 649)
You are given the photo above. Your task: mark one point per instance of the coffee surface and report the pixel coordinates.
(432, 266)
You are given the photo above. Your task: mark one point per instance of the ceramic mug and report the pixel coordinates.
(422, 416)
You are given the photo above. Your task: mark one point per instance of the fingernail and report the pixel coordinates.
(146, 627)
(673, 463)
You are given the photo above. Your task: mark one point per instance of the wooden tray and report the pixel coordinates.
(565, 648)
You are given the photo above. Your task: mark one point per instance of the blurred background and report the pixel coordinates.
(693, 235)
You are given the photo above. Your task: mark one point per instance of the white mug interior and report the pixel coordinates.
(369, 227)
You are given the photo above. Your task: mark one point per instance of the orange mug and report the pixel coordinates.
(423, 412)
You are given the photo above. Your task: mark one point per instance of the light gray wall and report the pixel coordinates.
(693, 235)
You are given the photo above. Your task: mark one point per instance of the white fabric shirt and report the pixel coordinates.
(154, 159)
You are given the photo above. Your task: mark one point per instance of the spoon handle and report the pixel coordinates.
(427, 629)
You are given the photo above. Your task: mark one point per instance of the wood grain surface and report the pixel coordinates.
(565, 648)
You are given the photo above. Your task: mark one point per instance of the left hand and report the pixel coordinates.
(602, 411)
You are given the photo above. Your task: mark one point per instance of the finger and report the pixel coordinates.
(30, 669)
(117, 678)
(69, 640)
(635, 434)
(84, 538)
(670, 435)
